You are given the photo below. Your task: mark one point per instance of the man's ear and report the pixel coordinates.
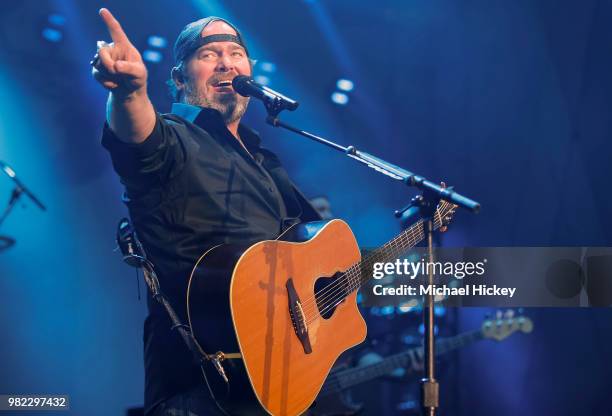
(177, 77)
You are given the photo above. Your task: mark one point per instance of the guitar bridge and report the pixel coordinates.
(298, 318)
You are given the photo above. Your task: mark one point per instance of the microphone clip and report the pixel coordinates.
(130, 246)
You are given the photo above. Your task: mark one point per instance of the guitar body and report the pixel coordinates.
(287, 346)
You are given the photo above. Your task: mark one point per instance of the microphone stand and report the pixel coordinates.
(11, 174)
(15, 194)
(427, 202)
(19, 190)
(200, 357)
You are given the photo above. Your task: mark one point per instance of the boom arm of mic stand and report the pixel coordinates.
(24, 189)
(412, 179)
(385, 168)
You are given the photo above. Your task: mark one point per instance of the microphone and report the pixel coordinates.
(247, 87)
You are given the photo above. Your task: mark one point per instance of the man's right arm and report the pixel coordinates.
(121, 70)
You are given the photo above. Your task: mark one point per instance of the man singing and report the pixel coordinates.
(194, 178)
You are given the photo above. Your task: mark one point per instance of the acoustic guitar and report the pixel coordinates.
(292, 303)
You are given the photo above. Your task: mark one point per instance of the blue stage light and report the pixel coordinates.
(52, 35)
(157, 42)
(262, 79)
(345, 85)
(339, 98)
(387, 310)
(267, 66)
(439, 310)
(56, 19)
(152, 56)
(422, 329)
(407, 306)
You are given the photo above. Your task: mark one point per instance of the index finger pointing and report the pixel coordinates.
(113, 26)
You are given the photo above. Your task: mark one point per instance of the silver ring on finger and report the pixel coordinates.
(101, 44)
(95, 62)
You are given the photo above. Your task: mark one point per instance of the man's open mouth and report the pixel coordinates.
(223, 84)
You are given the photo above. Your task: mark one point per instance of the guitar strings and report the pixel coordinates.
(406, 236)
(354, 281)
(334, 383)
(349, 279)
(334, 297)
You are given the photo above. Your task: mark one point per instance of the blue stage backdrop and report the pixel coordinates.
(509, 101)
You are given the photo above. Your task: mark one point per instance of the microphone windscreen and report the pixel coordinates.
(241, 85)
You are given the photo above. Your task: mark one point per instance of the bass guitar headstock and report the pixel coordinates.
(505, 324)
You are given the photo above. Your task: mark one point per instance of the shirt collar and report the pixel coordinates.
(210, 118)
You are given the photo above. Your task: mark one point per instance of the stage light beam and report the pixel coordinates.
(52, 35)
(345, 85)
(267, 66)
(340, 98)
(56, 19)
(262, 79)
(159, 42)
(152, 56)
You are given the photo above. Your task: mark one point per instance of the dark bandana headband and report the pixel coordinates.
(223, 37)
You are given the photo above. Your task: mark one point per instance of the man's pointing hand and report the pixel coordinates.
(118, 66)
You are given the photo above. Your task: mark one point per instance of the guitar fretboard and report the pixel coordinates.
(409, 360)
(360, 273)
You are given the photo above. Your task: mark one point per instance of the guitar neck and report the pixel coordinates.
(447, 345)
(409, 360)
(360, 273)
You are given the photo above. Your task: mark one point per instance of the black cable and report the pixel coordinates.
(137, 284)
(212, 394)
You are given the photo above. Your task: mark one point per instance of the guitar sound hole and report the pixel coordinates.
(329, 292)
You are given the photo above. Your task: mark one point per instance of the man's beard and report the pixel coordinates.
(232, 106)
